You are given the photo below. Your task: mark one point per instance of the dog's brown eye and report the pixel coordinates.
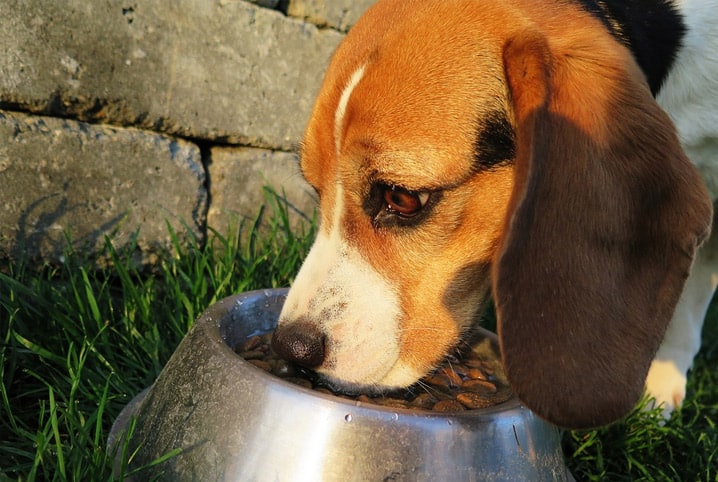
(404, 203)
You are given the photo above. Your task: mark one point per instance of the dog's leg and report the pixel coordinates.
(666, 380)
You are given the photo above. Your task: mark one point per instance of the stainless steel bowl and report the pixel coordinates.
(233, 421)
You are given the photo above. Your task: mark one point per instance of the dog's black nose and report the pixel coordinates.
(300, 342)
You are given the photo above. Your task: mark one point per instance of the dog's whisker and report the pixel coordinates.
(426, 387)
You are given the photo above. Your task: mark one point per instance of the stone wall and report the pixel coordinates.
(121, 117)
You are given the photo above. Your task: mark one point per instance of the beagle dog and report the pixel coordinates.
(522, 150)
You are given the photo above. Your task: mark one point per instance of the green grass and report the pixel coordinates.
(79, 342)
(640, 447)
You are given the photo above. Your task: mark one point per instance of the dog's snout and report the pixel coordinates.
(301, 343)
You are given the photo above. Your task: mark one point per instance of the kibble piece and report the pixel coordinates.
(474, 373)
(252, 343)
(473, 400)
(451, 375)
(463, 382)
(438, 380)
(424, 401)
(252, 354)
(448, 406)
(392, 402)
(479, 386)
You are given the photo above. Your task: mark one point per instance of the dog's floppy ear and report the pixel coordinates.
(604, 220)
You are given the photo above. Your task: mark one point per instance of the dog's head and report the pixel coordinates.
(464, 149)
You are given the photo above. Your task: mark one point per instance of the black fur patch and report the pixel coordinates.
(495, 142)
(652, 29)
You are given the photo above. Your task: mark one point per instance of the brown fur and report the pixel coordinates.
(589, 236)
(601, 166)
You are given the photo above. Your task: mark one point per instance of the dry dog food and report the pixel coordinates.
(462, 383)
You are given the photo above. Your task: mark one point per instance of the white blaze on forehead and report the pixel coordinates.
(342, 106)
(356, 308)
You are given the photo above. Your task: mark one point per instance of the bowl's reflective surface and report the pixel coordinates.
(233, 421)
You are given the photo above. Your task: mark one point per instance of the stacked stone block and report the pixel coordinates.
(119, 118)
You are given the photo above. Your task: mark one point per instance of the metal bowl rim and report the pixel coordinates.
(507, 407)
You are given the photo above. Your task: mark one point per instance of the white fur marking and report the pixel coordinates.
(342, 107)
(354, 306)
(690, 91)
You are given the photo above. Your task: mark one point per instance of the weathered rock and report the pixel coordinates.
(62, 177)
(225, 70)
(238, 177)
(338, 14)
